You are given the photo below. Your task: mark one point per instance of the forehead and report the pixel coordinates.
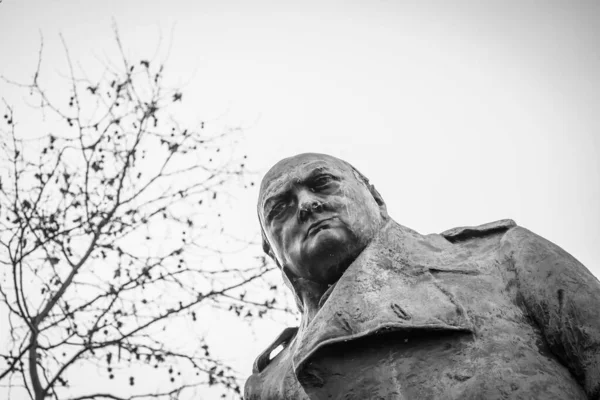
(294, 169)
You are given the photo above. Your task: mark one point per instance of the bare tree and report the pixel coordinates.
(108, 235)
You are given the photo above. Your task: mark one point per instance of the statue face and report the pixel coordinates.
(317, 215)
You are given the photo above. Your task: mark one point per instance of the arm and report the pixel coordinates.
(563, 298)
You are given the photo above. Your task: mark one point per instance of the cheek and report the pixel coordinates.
(285, 243)
(357, 204)
(276, 240)
(362, 213)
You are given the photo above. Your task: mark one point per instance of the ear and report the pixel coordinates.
(288, 277)
(266, 246)
(379, 200)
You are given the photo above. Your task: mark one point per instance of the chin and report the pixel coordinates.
(327, 243)
(330, 255)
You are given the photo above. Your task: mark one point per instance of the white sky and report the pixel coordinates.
(460, 113)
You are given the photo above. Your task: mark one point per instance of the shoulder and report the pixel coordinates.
(272, 377)
(469, 232)
(264, 358)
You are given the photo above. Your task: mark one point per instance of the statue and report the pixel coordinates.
(486, 312)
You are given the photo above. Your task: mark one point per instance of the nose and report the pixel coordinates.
(308, 203)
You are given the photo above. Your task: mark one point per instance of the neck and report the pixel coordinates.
(310, 295)
(313, 295)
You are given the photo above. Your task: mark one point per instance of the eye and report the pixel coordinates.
(321, 182)
(277, 210)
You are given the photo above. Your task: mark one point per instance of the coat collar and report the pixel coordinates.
(388, 287)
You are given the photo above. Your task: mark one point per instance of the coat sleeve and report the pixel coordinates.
(563, 298)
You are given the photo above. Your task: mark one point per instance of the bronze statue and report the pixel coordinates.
(486, 312)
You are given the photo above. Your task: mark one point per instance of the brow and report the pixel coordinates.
(282, 193)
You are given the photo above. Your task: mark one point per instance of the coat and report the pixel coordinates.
(488, 312)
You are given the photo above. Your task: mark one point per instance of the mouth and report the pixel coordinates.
(317, 226)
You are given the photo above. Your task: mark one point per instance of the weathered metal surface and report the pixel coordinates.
(488, 312)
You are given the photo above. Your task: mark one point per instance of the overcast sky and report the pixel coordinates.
(460, 112)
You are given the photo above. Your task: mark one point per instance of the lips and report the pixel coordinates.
(315, 226)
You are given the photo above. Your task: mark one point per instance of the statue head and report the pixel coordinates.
(317, 213)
